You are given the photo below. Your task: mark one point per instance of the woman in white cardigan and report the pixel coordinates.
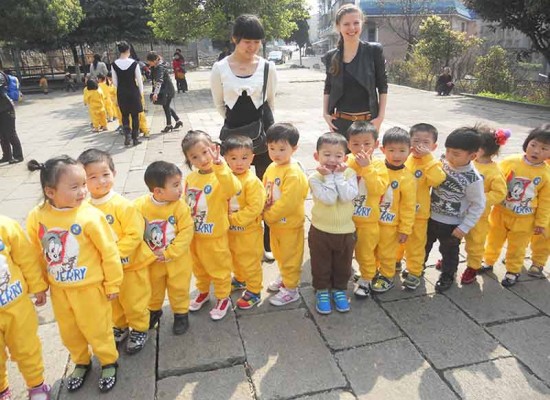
(236, 83)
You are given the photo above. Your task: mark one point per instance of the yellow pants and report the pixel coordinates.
(414, 248)
(517, 230)
(475, 243)
(99, 117)
(19, 333)
(118, 113)
(109, 109)
(247, 250)
(174, 276)
(540, 248)
(368, 237)
(387, 249)
(130, 309)
(287, 246)
(212, 263)
(85, 319)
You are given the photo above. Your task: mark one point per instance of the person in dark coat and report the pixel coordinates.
(444, 83)
(12, 152)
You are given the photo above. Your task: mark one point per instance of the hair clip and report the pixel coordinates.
(502, 135)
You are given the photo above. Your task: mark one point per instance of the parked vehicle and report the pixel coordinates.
(277, 57)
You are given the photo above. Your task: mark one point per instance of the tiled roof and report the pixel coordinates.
(395, 7)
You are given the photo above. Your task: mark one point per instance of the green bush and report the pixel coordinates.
(536, 98)
(493, 71)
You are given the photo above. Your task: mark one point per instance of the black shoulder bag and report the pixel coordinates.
(254, 130)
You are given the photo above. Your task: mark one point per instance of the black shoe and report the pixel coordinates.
(178, 125)
(136, 142)
(167, 128)
(127, 140)
(5, 160)
(444, 283)
(154, 318)
(485, 269)
(15, 160)
(107, 381)
(78, 377)
(181, 324)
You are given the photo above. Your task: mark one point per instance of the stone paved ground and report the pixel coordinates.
(476, 342)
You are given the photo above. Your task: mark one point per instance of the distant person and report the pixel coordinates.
(43, 83)
(97, 67)
(178, 65)
(12, 151)
(444, 84)
(69, 83)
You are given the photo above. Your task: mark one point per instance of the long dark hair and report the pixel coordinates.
(337, 57)
(97, 58)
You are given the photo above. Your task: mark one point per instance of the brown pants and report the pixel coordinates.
(331, 256)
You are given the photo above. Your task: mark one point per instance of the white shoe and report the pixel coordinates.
(200, 300)
(276, 285)
(284, 297)
(221, 308)
(268, 256)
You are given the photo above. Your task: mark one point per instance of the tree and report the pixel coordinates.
(532, 17)
(493, 71)
(300, 36)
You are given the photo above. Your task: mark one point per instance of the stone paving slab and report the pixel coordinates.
(442, 332)
(365, 323)
(535, 292)
(527, 341)
(498, 380)
(392, 370)
(399, 292)
(224, 384)
(486, 301)
(294, 346)
(332, 395)
(207, 344)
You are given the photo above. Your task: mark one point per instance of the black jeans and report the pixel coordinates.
(181, 85)
(9, 141)
(169, 112)
(135, 124)
(448, 245)
(261, 162)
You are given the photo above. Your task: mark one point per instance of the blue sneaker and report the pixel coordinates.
(323, 302)
(237, 285)
(340, 300)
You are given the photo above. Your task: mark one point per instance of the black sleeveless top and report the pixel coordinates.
(128, 95)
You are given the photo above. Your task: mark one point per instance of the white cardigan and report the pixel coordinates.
(226, 87)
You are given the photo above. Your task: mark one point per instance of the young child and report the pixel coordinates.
(81, 261)
(113, 95)
(168, 233)
(331, 238)
(43, 83)
(495, 191)
(104, 86)
(397, 206)
(526, 208)
(457, 203)
(372, 177)
(69, 83)
(208, 190)
(286, 187)
(20, 274)
(130, 308)
(428, 173)
(540, 250)
(245, 222)
(95, 100)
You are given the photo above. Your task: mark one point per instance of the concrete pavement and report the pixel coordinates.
(480, 341)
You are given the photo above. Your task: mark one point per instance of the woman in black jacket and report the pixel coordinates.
(12, 151)
(163, 90)
(356, 85)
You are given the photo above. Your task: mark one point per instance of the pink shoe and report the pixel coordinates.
(221, 308)
(6, 394)
(199, 301)
(41, 392)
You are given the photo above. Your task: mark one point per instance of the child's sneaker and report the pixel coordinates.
(485, 269)
(536, 271)
(323, 302)
(181, 324)
(444, 283)
(248, 300)
(355, 277)
(276, 285)
(362, 289)
(136, 341)
(120, 335)
(412, 281)
(6, 394)
(382, 284)
(154, 318)
(40, 392)
(237, 285)
(221, 308)
(200, 300)
(510, 279)
(284, 297)
(340, 300)
(468, 276)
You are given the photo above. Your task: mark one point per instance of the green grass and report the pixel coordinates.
(536, 99)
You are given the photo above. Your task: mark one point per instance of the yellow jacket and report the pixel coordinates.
(493, 183)
(20, 270)
(77, 246)
(94, 99)
(286, 188)
(245, 208)
(429, 173)
(398, 205)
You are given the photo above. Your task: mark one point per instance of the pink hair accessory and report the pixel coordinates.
(502, 135)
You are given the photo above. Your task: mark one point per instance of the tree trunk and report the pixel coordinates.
(76, 64)
(300, 52)
(16, 53)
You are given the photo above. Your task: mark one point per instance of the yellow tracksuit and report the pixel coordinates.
(131, 306)
(372, 181)
(527, 204)
(114, 101)
(286, 188)
(246, 232)
(208, 197)
(540, 245)
(168, 232)
(81, 261)
(109, 109)
(495, 192)
(95, 100)
(397, 212)
(20, 274)
(428, 173)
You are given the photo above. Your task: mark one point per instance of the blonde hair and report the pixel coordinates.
(337, 57)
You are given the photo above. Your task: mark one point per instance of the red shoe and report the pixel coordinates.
(222, 306)
(468, 276)
(199, 301)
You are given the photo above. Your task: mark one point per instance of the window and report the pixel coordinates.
(463, 27)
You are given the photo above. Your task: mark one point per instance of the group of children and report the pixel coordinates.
(109, 262)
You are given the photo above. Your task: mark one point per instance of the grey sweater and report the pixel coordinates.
(460, 199)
